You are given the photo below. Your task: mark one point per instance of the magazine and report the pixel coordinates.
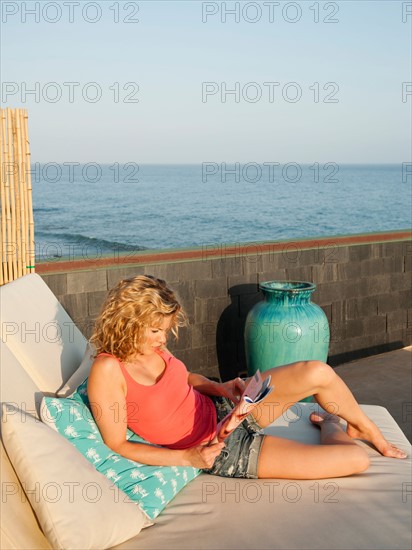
(256, 390)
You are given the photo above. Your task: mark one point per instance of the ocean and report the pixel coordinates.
(93, 210)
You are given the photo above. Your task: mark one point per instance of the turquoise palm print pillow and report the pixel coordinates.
(152, 487)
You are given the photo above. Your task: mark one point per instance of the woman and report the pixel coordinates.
(135, 382)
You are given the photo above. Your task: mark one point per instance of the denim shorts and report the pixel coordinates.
(239, 457)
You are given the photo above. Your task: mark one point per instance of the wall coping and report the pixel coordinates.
(216, 251)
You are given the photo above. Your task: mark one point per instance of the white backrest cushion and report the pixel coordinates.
(80, 374)
(16, 386)
(39, 332)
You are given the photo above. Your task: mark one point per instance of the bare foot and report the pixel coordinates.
(374, 435)
(371, 434)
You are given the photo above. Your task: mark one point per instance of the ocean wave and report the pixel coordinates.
(78, 243)
(45, 209)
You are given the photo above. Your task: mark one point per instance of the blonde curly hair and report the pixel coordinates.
(132, 306)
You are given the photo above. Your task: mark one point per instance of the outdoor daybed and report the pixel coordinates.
(52, 496)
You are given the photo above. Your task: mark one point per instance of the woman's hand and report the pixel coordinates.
(203, 456)
(233, 389)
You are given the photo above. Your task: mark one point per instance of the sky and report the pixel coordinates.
(193, 82)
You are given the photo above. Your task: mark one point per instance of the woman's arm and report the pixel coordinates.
(106, 390)
(232, 389)
(204, 385)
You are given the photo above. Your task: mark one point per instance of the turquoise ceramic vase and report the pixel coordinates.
(285, 327)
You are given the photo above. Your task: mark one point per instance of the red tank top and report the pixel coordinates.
(170, 413)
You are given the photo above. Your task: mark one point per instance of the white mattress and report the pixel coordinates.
(366, 511)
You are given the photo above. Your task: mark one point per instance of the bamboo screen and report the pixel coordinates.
(17, 225)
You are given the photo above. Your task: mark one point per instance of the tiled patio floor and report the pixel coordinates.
(386, 380)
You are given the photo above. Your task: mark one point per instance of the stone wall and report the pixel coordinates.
(363, 285)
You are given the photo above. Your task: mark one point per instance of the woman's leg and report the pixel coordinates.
(338, 455)
(298, 380)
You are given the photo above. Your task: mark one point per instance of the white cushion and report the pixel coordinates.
(39, 332)
(76, 506)
(19, 526)
(80, 374)
(16, 386)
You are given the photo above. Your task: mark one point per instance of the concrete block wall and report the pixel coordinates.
(363, 285)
